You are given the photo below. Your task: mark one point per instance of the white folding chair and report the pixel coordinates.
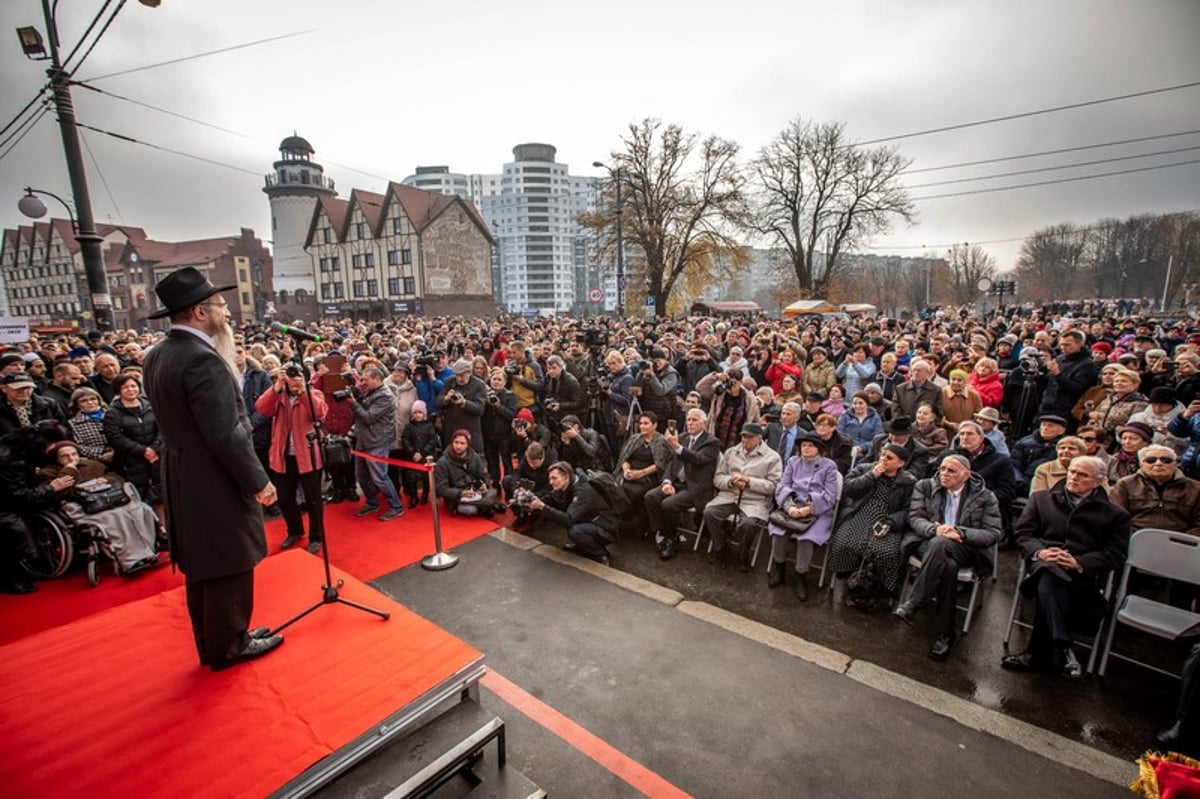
(841, 481)
(1164, 553)
(966, 575)
(1014, 619)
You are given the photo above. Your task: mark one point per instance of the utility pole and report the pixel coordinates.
(89, 240)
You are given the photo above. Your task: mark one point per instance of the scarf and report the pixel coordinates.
(24, 413)
(95, 415)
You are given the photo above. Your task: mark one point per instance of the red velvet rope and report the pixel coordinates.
(420, 467)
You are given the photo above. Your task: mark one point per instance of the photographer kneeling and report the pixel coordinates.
(460, 479)
(590, 520)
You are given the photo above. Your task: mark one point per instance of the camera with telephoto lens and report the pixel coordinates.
(492, 397)
(454, 398)
(523, 496)
(292, 370)
(512, 370)
(721, 384)
(343, 395)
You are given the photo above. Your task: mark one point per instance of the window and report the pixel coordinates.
(372, 288)
(393, 285)
(369, 259)
(406, 256)
(339, 291)
(335, 263)
(410, 285)
(245, 299)
(356, 261)
(326, 291)
(360, 230)
(393, 257)
(397, 226)
(243, 276)
(283, 297)
(327, 235)
(357, 288)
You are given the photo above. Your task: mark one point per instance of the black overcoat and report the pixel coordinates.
(210, 473)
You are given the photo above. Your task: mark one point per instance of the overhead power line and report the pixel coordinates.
(1059, 151)
(67, 61)
(203, 55)
(1054, 168)
(99, 36)
(20, 133)
(131, 140)
(41, 93)
(1024, 114)
(1055, 182)
(175, 114)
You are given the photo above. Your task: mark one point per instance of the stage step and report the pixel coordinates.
(430, 757)
(495, 783)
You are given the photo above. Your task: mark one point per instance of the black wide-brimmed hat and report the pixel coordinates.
(182, 289)
(899, 425)
(811, 438)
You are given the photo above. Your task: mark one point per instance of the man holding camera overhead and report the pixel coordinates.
(295, 455)
(462, 403)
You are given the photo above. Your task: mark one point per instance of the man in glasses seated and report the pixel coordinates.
(1071, 537)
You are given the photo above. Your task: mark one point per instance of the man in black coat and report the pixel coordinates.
(1031, 451)
(688, 482)
(562, 394)
(1071, 537)
(994, 468)
(213, 484)
(1070, 374)
(461, 404)
(899, 431)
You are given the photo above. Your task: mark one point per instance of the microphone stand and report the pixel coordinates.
(329, 591)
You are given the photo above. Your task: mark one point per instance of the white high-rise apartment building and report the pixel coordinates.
(532, 208)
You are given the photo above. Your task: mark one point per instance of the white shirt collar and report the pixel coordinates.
(197, 332)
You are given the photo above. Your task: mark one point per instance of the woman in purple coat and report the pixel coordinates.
(807, 490)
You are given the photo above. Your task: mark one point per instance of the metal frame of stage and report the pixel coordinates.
(459, 687)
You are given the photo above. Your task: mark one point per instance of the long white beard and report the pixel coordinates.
(227, 349)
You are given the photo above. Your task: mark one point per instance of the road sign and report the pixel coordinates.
(595, 295)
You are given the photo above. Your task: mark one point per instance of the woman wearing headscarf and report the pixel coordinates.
(808, 490)
(87, 424)
(1124, 462)
(872, 516)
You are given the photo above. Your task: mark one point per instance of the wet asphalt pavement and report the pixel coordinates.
(1117, 714)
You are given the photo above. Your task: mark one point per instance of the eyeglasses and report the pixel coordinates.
(1158, 459)
(222, 304)
(1088, 439)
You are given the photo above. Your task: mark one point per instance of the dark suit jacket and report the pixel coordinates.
(210, 473)
(699, 467)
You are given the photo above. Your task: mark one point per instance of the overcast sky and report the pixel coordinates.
(380, 86)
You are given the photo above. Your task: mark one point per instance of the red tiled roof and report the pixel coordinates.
(423, 207)
(335, 210)
(372, 208)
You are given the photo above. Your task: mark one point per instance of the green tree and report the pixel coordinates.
(682, 203)
(815, 190)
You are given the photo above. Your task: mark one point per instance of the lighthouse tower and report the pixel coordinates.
(293, 189)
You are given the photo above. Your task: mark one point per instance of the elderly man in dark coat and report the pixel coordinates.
(687, 483)
(1071, 536)
(213, 483)
(953, 520)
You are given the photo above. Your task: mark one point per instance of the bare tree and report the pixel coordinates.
(817, 190)
(968, 263)
(682, 203)
(1051, 262)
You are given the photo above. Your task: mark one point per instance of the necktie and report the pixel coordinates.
(951, 516)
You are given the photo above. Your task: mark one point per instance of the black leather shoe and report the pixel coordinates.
(669, 549)
(905, 612)
(1022, 661)
(255, 648)
(802, 586)
(290, 541)
(313, 547)
(1172, 737)
(1068, 664)
(412, 502)
(941, 647)
(259, 632)
(17, 587)
(717, 557)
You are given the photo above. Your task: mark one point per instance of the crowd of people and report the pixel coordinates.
(945, 435)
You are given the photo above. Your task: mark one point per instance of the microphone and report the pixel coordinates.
(295, 331)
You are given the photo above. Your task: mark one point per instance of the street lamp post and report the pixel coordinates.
(616, 176)
(85, 230)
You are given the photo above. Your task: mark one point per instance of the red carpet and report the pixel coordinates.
(366, 548)
(138, 717)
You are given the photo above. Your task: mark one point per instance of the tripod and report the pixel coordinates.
(329, 591)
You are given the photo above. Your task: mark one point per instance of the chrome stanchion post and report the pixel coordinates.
(439, 560)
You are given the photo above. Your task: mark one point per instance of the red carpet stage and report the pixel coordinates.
(115, 704)
(366, 548)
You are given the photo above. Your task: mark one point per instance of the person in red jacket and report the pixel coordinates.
(292, 459)
(785, 364)
(985, 379)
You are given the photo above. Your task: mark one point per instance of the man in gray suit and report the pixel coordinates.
(214, 486)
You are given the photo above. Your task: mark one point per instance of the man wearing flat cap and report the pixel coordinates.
(745, 481)
(21, 407)
(213, 482)
(462, 402)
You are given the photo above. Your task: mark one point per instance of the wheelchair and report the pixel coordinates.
(67, 534)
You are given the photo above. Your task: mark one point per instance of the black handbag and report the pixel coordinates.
(99, 495)
(335, 450)
(780, 518)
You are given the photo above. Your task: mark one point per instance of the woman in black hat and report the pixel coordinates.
(872, 517)
(807, 494)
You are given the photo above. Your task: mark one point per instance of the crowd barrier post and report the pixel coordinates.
(439, 560)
